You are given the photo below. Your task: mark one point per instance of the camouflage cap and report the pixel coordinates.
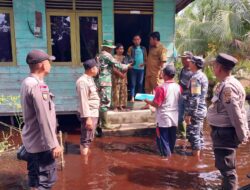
(198, 61)
(187, 54)
(108, 43)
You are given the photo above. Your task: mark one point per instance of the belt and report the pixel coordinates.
(221, 128)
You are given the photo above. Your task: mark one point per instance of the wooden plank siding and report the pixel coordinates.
(108, 19)
(164, 22)
(62, 78)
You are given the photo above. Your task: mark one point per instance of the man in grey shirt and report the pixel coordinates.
(39, 132)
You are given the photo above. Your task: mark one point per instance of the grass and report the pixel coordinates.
(6, 144)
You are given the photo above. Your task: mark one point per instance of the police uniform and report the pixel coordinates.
(104, 80)
(196, 105)
(39, 131)
(228, 120)
(88, 103)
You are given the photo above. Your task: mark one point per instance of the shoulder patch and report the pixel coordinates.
(195, 87)
(227, 95)
(45, 96)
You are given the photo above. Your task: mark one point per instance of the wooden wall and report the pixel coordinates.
(164, 22)
(62, 78)
(108, 19)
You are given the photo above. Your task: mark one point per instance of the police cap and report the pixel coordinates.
(226, 60)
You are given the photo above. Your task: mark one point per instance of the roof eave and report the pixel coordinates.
(181, 4)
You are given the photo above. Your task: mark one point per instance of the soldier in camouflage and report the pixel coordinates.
(104, 81)
(184, 77)
(196, 109)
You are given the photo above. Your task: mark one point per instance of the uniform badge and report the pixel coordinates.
(45, 96)
(195, 87)
(227, 95)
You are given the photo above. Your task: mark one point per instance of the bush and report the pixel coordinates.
(247, 89)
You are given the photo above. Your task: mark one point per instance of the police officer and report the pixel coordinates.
(39, 132)
(88, 104)
(228, 120)
(196, 109)
(104, 82)
(184, 78)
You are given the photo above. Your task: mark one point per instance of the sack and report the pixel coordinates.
(22, 154)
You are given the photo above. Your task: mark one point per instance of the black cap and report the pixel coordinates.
(90, 63)
(169, 70)
(226, 60)
(37, 56)
(198, 61)
(187, 54)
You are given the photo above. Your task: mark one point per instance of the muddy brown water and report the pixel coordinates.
(127, 163)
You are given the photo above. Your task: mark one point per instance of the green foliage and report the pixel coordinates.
(208, 70)
(208, 27)
(247, 89)
(6, 143)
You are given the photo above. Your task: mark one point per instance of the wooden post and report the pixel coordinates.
(62, 155)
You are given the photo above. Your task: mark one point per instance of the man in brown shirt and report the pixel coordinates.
(88, 104)
(157, 57)
(39, 132)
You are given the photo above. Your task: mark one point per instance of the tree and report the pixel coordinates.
(207, 27)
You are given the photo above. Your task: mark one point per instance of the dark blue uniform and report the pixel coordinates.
(196, 108)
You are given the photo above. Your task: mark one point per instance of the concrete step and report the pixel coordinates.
(134, 129)
(131, 123)
(137, 105)
(128, 117)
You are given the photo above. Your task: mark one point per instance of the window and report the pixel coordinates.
(60, 38)
(7, 46)
(89, 32)
(74, 30)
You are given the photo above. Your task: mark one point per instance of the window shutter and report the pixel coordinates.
(74, 4)
(128, 6)
(95, 5)
(59, 4)
(6, 3)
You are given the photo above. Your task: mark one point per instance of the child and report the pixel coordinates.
(119, 82)
(166, 102)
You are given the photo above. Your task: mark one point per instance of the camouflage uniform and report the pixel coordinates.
(104, 83)
(184, 78)
(196, 108)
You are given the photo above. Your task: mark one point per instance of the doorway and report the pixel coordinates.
(127, 25)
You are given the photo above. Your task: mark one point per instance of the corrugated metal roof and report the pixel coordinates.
(181, 4)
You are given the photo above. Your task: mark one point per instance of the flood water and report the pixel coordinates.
(128, 163)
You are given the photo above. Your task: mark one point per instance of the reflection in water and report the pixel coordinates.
(129, 163)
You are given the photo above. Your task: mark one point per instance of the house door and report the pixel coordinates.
(127, 25)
